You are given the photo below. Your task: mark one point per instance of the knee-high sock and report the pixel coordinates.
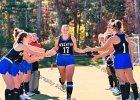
(135, 90)
(110, 80)
(123, 91)
(8, 94)
(69, 89)
(16, 94)
(26, 87)
(127, 89)
(21, 89)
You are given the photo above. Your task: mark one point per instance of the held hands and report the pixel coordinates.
(50, 53)
(41, 57)
(95, 58)
(88, 49)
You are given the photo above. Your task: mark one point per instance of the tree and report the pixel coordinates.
(39, 17)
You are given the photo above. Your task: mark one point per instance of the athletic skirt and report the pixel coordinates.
(25, 66)
(65, 60)
(6, 65)
(122, 61)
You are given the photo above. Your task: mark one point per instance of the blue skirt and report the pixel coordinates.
(25, 66)
(6, 65)
(65, 60)
(122, 61)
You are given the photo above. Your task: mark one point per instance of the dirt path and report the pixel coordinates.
(89, 84)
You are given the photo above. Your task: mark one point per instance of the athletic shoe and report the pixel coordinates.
(36, 91)
(24, 97)
(110, 88)
(116, 92)
(68, 97)
(129, 97)
(119, 97)
(30, 94)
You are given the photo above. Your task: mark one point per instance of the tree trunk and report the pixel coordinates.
(57, 6)
(85, 23)
(39, 18)
(8, 22)
(75, 24)
(78, 37)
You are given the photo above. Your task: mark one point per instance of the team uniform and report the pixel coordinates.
(11, 62)
(25, 66)
(65, 55)
(122, 58)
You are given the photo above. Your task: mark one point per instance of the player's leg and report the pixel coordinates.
(130, 78)
(122, 80)
(9, 86)
(62, 71)
(69, 73)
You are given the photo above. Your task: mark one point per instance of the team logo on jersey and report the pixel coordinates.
(65, 44)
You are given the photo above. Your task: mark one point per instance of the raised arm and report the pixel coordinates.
(27, 49)
(37, 49)
(108, 52)
(31, 59)
(76, 49)
(56, 44)
(105, 47)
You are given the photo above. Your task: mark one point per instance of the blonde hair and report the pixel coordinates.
(65, 25)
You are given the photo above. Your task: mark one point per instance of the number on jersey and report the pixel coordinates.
(124, 49)
(66, 49)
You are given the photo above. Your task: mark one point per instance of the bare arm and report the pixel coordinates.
(25, 48)
(56, 44)
(108, 52)
(76, 49)
(105, 47)
(31, 59)
(130, 47)
(36, 48)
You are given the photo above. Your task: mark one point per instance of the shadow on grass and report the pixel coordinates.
(132, 96)
(44, 97)
(80, 61)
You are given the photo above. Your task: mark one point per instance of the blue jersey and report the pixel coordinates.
(65, 46)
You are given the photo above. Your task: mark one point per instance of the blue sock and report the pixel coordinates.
(69, 89)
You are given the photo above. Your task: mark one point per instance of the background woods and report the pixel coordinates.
(87, 18)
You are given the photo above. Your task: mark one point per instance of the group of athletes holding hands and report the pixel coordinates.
(16, 65)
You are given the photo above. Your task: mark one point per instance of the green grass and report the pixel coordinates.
(80, 61)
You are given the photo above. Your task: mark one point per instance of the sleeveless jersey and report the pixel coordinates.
(121, 47)
(65, 46)
(15, 56)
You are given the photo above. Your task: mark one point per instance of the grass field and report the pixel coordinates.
(80, 61)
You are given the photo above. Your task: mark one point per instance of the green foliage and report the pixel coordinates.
(49, 44)
(115, 7)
